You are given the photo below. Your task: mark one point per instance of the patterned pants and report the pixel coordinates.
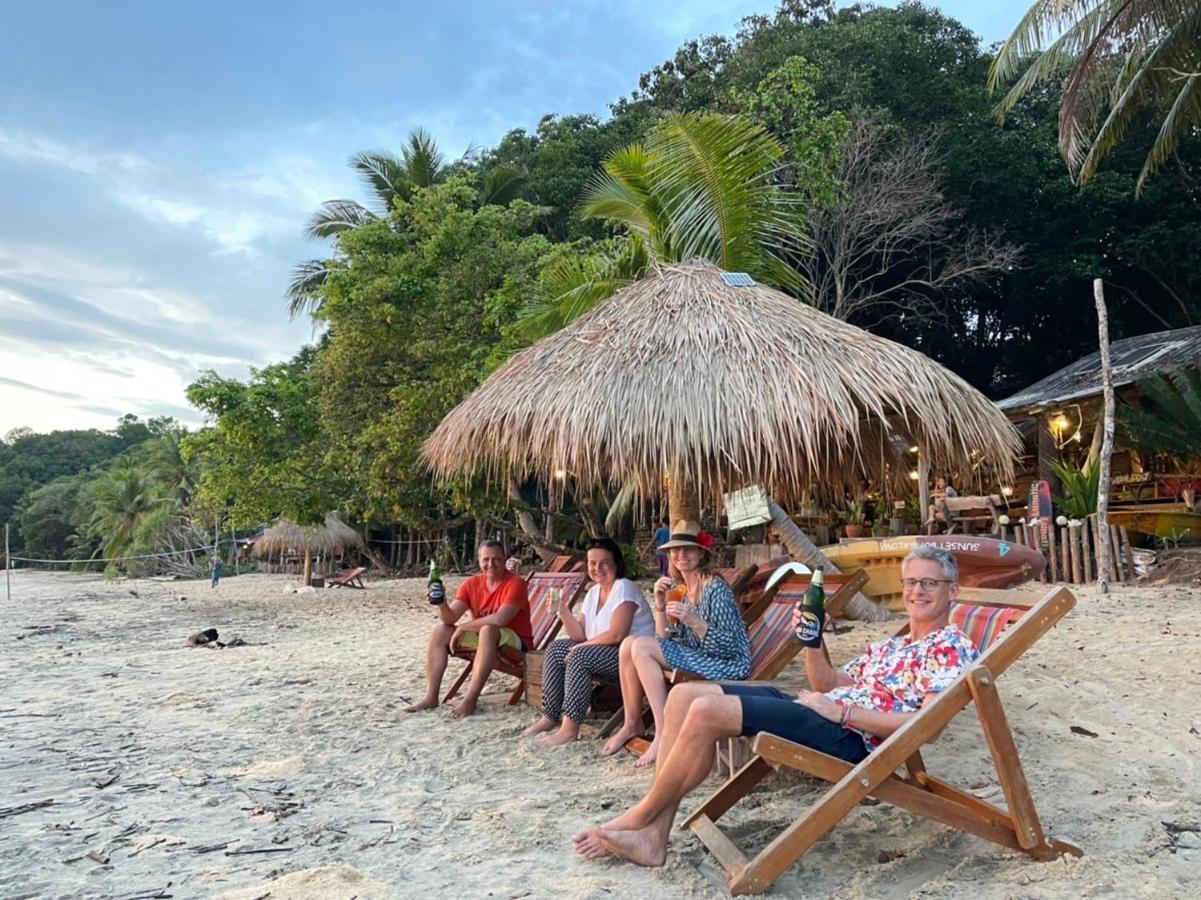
(567, 673)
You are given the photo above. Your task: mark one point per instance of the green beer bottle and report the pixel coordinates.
(813, 612)
(435, 592)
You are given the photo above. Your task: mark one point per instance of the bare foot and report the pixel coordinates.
(427, 703)
(463, 708)
(618, 740)
(559, 738)
(646, 847)
(543, 724)
(589, 845)
(648, 758)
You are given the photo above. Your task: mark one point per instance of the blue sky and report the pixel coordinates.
(158, 161)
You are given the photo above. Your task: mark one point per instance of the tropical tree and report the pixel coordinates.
(390, 178)
(122, 503)
(701, 185)
(1117, 59)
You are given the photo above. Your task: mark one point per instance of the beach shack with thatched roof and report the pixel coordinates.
(332, 537)
(698, 381)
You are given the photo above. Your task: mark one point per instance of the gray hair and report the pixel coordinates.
(944, 558)
(490, 544)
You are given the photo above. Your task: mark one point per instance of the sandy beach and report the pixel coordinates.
(134, 766)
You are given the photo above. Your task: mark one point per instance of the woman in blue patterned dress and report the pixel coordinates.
(708, 638)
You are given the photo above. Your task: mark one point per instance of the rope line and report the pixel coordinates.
(164, 555)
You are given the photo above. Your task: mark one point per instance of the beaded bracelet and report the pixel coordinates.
(845, 721)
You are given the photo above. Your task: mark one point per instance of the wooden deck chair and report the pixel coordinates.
(566, 563)
(544, 590)
(352, 579)
(769, 626)
(917, 791)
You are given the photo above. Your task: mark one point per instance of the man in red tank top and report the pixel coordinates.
(500, 618)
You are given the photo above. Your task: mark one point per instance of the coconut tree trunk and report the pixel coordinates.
(308, 566)
(802, 549)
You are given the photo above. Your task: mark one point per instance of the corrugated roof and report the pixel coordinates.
(1132, 359)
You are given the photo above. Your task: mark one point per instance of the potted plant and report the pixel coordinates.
(852, 515)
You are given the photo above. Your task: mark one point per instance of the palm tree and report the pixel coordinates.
(420, 164)
(702, 186)
(1117, 58)
(122, 502)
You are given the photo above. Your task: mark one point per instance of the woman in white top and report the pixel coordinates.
(614, 609)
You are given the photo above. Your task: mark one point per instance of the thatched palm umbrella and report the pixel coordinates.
(712, 386)
(334, 536)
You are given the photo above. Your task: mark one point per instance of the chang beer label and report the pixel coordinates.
(809, 632)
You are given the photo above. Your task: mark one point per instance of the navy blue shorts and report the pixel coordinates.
(765, 708)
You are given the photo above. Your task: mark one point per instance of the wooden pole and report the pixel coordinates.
(1076, 573)
(1128, 549)
(8, 577)
(1086, 552)
(923, 482)
(1115, 547)
(1052, 552)
(1103, 561)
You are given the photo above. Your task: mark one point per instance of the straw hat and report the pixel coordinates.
(685, 533)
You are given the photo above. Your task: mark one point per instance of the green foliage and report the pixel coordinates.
(785, 102)
(1168, 421)
(703, 186)
(30, 461)
(416, 318)
(1080, 489)
(263, 454)
(854, 512)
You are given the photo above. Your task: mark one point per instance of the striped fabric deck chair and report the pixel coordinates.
(1016, 825)
(544, 590)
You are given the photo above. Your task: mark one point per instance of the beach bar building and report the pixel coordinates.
(1061, 416)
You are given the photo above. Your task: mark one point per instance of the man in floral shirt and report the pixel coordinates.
(848, 714)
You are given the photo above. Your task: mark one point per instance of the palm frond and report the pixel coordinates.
(501, 185)
(623, 192)
(387, 175)
(336, 216)
(1121, 58)
(303, 294)
(423, 161)
(574, 284)
(1169, 418)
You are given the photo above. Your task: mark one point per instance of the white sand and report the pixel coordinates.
(166, 764)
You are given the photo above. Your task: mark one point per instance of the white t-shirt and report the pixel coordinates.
(623, 591)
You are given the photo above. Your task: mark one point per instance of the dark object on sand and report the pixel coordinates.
(201, 638)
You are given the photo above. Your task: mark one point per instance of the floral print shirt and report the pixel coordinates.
(896, 674)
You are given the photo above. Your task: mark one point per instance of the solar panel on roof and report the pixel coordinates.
(737, 279)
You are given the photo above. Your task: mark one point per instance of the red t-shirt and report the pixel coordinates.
(511, 590)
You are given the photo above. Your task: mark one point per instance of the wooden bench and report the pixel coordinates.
(963, 511)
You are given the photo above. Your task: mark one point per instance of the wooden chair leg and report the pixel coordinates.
(518, 692)
(1005, 757)
(454, 688)
(612, 723)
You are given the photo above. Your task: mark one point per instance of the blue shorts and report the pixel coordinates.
(765, 708)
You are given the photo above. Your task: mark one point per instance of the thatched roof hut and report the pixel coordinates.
(335, 536)
(689, 376)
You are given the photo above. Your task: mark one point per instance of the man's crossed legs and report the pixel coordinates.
(697, 716)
